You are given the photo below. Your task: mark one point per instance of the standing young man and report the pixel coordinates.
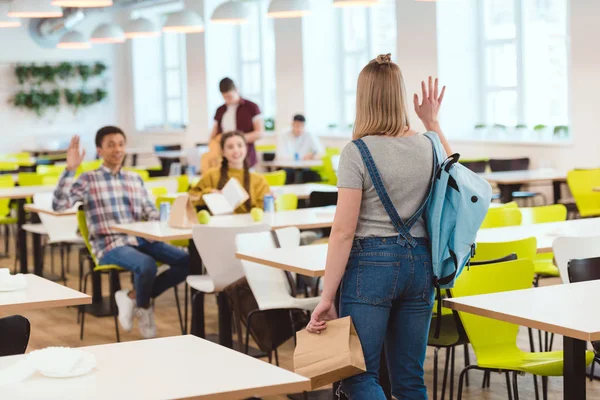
(111, 196)
(238, 114)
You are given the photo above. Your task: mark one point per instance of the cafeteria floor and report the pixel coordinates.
(58, 327)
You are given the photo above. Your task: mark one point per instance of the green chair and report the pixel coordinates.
(113, 270)
(6, 219)
(582, 184)
(544, 263)
(495, 342)
(276, 178)
(500, 217)
(286, 202)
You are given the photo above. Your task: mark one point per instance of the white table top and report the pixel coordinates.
(179, 367)
(562, 309)
(304, 260)
(305, 218)
(40, 293)
(22, 192)
(544, 233)
(528, 176)
(303, 190)
(139, 151)
(50, 211)
(171, 154)
(292, 164)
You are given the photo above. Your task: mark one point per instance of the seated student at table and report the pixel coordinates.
(234, 165)
(111, 196)
(297, 144)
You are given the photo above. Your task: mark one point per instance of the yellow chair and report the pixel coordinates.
(183, 184)
(286, 202)
(143, 173)
(544, 262)
(87, 166)
(276, 178)
(581, 184)
(6, 219)
(502, 216)
(30, 179)
(159, 191)
(326, 171)
(494, 341)
(265, 148)
(523, 248)
(7, 166)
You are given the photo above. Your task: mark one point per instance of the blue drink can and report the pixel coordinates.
(296, 156)
(165, 211)
(269, 203)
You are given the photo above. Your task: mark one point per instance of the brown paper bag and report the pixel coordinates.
(183, 214)
(333, 355)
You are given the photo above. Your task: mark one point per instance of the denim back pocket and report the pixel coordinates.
(376, 281)
(428, 288)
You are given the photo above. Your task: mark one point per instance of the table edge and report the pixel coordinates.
(38, 305)
(284, 267)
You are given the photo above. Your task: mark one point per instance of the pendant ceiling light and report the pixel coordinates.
(354, 3)
(141, 28)
(184, 22)
(34, 9)
(231, 12)
(82, 3)
(73, 40)
(288, 8)
(107, 34)
(5, 20)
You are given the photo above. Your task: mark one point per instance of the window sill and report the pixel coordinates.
(160, 131)
(568, 142)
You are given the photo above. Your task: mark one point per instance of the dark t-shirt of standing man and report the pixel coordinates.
(246, 112)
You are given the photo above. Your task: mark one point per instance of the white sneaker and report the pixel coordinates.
(125, 306)
(146, 322)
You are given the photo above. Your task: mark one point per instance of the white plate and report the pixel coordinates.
(63, 362)
(12, 287)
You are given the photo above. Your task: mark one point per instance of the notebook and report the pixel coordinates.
(226, 202)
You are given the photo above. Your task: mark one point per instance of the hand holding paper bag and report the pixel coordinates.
(333, 355)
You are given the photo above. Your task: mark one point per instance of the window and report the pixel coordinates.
(160, 76)
(365, 32)
(523, 62)
(256, 40)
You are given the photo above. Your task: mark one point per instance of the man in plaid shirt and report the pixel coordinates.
(111, 196)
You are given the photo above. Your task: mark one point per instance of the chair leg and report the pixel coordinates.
(185, 307)
(113, 279)
(197, 325)
(461, 379)
(452, 373)
(467, 362)
(531, 344)
(551, 342)
(276, 357)
(82, 308)
(508, 386)
(535, 387)
(592, 369)
(62, 265)
(179, 310)
(545, 387)
(446, 371)
(435, 372)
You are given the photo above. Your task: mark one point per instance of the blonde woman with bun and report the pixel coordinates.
(379, 248)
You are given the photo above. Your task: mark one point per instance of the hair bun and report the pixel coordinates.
(384, 58)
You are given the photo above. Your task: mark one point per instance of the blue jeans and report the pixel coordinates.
(141, 260)
(388, 291)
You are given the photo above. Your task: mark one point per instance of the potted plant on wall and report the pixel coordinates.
(561, 132)
(542, 132)
(480, 131)
(521, 132)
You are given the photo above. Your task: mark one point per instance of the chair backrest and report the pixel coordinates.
(175, 169)
(286, 202)
(8, 166)
(170, 184)
(85, 233)
(159, 191)
(478, 166)
(500, 217)
(14, 335)
(489, 336)
(216, 246)
(510, 257)
(276, 178)
(569, 248)
(269, 285)
(322, 199)
(59, 229)
(581, 184)
(584, 269)
(143, 173)
(510, 164)
(30, 179)
(6, 181)
(50, 169)
(87, 166)
(523, 248)
(543, 214)
(168, 147)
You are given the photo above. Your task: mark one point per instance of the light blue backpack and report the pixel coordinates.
(458, 202)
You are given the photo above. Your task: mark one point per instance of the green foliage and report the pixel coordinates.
(480, 126)
(269, 124)
(539, 127)
(38, 101)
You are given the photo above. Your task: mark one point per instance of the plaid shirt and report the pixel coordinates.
(108, 199)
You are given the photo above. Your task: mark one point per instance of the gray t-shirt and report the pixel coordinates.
(405, 167)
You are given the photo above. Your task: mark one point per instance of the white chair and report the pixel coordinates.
(216, 247)
(569, 248)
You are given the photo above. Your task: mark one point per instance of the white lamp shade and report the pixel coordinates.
(34, 9)
(5, 20)
(354, 3)
(73, 40)
(288, 8)
(141, 28)
(82, 3)
(108, 33)
(184, 22)
(231, 12)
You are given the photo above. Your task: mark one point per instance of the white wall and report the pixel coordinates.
(23, 128)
